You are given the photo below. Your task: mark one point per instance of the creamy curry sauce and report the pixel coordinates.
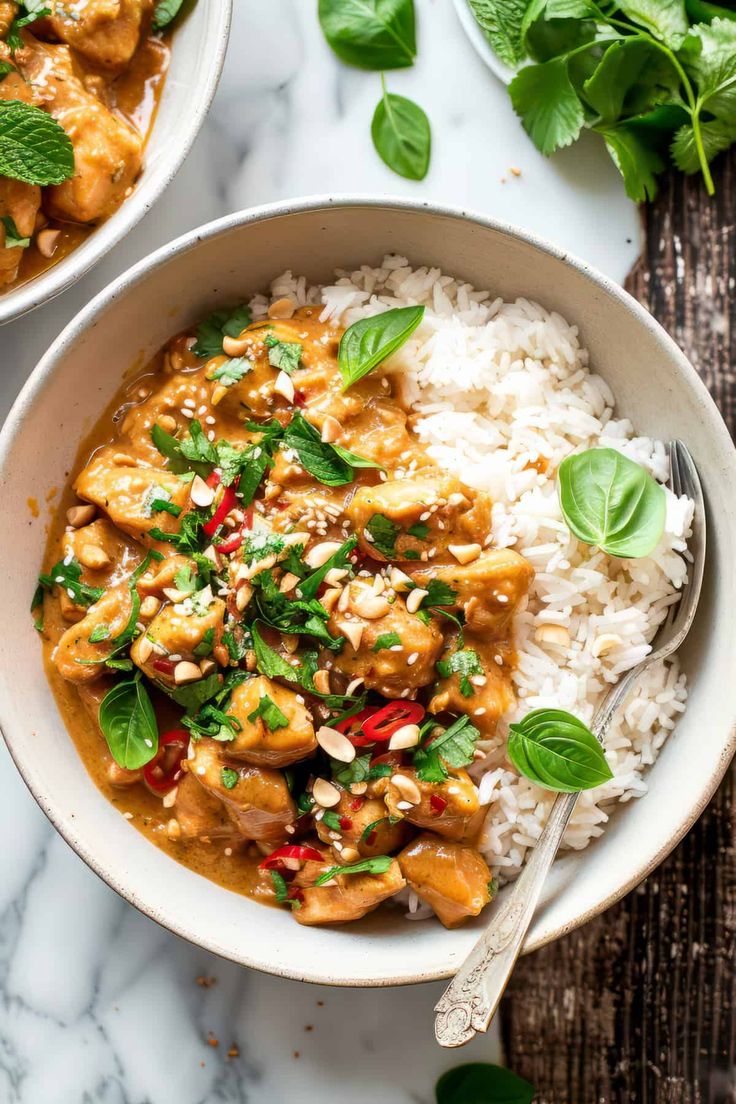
(411, 583)
(100, 75)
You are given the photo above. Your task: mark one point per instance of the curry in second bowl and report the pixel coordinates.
(333, 590)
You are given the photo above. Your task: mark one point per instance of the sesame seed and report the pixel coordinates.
(411, 659)
(189, 402)
(211, 435)
(209, 420)
(502, 597)
(202, 409)
(228, 851)
(499, 660)
(425, 516)
(187, 413)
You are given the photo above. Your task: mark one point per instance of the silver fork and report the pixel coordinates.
(470, 1000)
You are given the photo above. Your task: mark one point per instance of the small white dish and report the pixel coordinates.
(482, 46)
(197, 57)
(227, 261)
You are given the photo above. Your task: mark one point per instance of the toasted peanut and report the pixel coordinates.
(399, 579)
(353, 631)
(221, 654)
(284, 387)
(605, 643)
(415, 599)
(349, 854)
(207, 666)
(186, 672)
(405, 737)
(322, 681)
(552, 634)
(250, 661)
(243, 596)
(78, 516)
(369, 605)
(236, 346)
(331, 429)
(335, 744)
(93, 557)
(282, 308)
(145, 649)
(329, 598)
(167, 423)
(201, 493)
(288, 582)
(150, 606)
(290, 642)
(175, 595)
(407, 787)
(324, 793)
(465, 553)
(173, 829)
(318, 555)
(47, 242)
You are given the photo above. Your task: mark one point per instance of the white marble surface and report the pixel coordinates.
(98, 1004)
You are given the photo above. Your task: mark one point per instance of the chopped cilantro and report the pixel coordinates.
(465, 664)
(454, 747)
(67, 574)
(99, 633)
(379, 864)
(279, 886)
(332, 820)
(381, 532)
(419, 530)
(229, 777)
(232, 371)
(221, 323)
(386, 640)
(284, 355)
(204, 648)
(269, 713)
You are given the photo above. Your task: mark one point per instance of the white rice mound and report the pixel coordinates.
(500, 391)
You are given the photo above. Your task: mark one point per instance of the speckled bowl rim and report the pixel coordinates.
(87, 318)
(152, 183)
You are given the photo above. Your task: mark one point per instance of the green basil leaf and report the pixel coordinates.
(13, 236)
(402, 136)
(315, 455)
(370, 34)
(545, 100)
(368, 342)
(269, 713)
(309, 586)
(609, 501)
(482, 1083)
(164, 12)
(33, 147)
(500, 21)
(354, 460)
(128, 723)
(379, 864)
(556, 750)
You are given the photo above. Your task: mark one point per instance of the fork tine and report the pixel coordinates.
(675, 479)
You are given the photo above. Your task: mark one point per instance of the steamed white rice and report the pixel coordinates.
(501, 390)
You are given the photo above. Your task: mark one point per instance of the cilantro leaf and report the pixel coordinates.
(717, 135)
(284, 355)
(99, 633)
(279, 886)
(381, 532)
(232, 371)
(386, 640)
(269, 713)
(419, 530)
(379, 864)
(220, 324)
(185, 580)
(189, 538)
(230, 777)
(13, 236)
(464, 663)
(632, 77)
(544, 98)
(709, 56)
(67, 574)
(454, 748)
(637, 162)
(331, 820)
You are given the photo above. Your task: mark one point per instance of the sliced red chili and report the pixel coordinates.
(162, 773)
(228, 502)
(299, 398)
(438, 804)
(294, 893)
(234, 542)
(290, 851)
(213, 479)
(352, 727)
(390, 718)
(346, 823)
(165, 666)
(357, 803)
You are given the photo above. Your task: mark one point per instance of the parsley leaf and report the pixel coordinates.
(464, 663)
(454, 748)
(269, 713)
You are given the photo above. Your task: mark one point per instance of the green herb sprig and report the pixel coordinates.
(556, 750)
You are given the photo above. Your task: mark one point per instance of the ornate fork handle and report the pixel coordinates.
(470, 1000)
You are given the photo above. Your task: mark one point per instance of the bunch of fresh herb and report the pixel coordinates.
(655, 78)
(380, 35)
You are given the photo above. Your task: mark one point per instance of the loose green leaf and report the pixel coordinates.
(636, 160)
(419, 530)
(402, 136)
(284, 355)
(5, 68)
(385, 641)
(368, 342)
(67, 574)
(128, 723)
(500, 21)
(547, 104)
(330, 464)
(269, 713)
(269, 662)
(230, 778)
(717, 135)
(331, 820)
(464, 664)
(13, 237)
(709, 56)
(370, 34)
(665, 19)
(98, 634)
(609, 501)
(377, 865)
(556, 750)
(309, 586)
(632, 77)
(232, 371)
(194, 695)
(221, 323)
(164, 12)
(33, 147)
(381, 532)
(700, 11)
(454, 748)
(482, 1083)
(279, 886)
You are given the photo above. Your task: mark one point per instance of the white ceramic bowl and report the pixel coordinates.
(197, 56)
(233, 258)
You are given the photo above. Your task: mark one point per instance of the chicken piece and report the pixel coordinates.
(198, 814)
(363, 817)
(107, 152)
(352, 896)
(387, 671)
(484, 697)
(161, 575)
(403, 518)
(8, 12)
(262, 740)
(105, 31)
(456, 812)
(451, 878)
(126, 493)
(489, 590)
(78, 659)
(19, 202)
(105, 554)
(257, 800)
(177, 630)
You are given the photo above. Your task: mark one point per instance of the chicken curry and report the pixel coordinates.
(96, 68)
(289, 629)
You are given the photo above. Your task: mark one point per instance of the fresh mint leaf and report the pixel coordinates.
(13, 236)
(320, 459)
(547, 104)
(402, 135)
(269, 713)
(33, 147)
(500, 21)
(370, 34)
